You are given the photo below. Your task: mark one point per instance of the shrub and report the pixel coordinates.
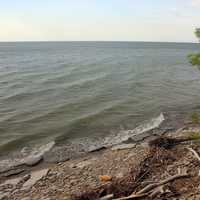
(195, 59)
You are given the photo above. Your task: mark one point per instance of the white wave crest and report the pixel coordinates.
(127, 134)
(91, 144)
(26, 156)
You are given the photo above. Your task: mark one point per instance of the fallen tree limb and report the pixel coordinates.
(153, 185)
(107, 197)
(147, 190)
(133, 196)
(157, 191)
(194, 153)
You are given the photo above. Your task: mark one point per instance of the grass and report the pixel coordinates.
(195, 137)
(195, 118)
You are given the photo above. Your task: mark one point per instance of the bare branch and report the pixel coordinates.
(195, 153)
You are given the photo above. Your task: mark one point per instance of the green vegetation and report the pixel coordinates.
(195, 137)
(195, 118)
(197, 33)
(195, 58)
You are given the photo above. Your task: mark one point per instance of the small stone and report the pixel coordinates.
(13, 172)
(3, 196)
(120, 175)
(54, 174)
(83, 164)
(13, 181)
(33, 160)
(26, 177)
(35, 177)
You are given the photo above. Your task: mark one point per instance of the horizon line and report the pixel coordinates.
(24, 41)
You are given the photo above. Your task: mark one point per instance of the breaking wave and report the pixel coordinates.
(51, 152)
(78, 146)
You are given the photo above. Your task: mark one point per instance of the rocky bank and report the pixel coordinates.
(129, 167)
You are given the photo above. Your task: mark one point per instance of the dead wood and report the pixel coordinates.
(147, 190)
(194, 153)
(133, 196)
(166, 142)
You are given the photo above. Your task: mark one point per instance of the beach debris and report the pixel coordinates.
(194, 153)
(35, 177)
(166, 142)
(123, 146)
(107, 197)
(105, 178)
(151, 189)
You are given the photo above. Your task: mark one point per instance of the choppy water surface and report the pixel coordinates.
(84, 92)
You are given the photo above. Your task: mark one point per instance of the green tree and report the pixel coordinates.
(195, 58)
(197, 33)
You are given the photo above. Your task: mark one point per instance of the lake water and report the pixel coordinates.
(79, 93)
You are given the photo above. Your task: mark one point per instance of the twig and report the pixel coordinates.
(147, 190)
(157, 191)
(195, 153)
(107, 197)
(141, 177)
(153, 185)
(133, 196)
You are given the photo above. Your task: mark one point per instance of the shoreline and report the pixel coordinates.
(63, 179)
(53, 153)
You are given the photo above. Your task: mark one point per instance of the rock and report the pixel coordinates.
(123, 146)
(96, 149)
(26, 177)
(54, 174)
(35, 177)
(3, 196)
(120, 175)
(13, 181)
(13, 172)
(33, 160)
(83, 164)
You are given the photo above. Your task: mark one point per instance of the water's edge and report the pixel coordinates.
(51, 152)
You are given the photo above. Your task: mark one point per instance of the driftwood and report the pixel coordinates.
(194, 153)
(157, 191)
(148, 189)
(133, 196)
(107, 197)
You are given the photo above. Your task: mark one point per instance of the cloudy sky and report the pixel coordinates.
(99, 20)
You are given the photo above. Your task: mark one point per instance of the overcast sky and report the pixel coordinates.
(99, 20)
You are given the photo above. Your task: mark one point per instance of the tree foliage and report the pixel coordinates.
(197, 33)
(195, 58)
